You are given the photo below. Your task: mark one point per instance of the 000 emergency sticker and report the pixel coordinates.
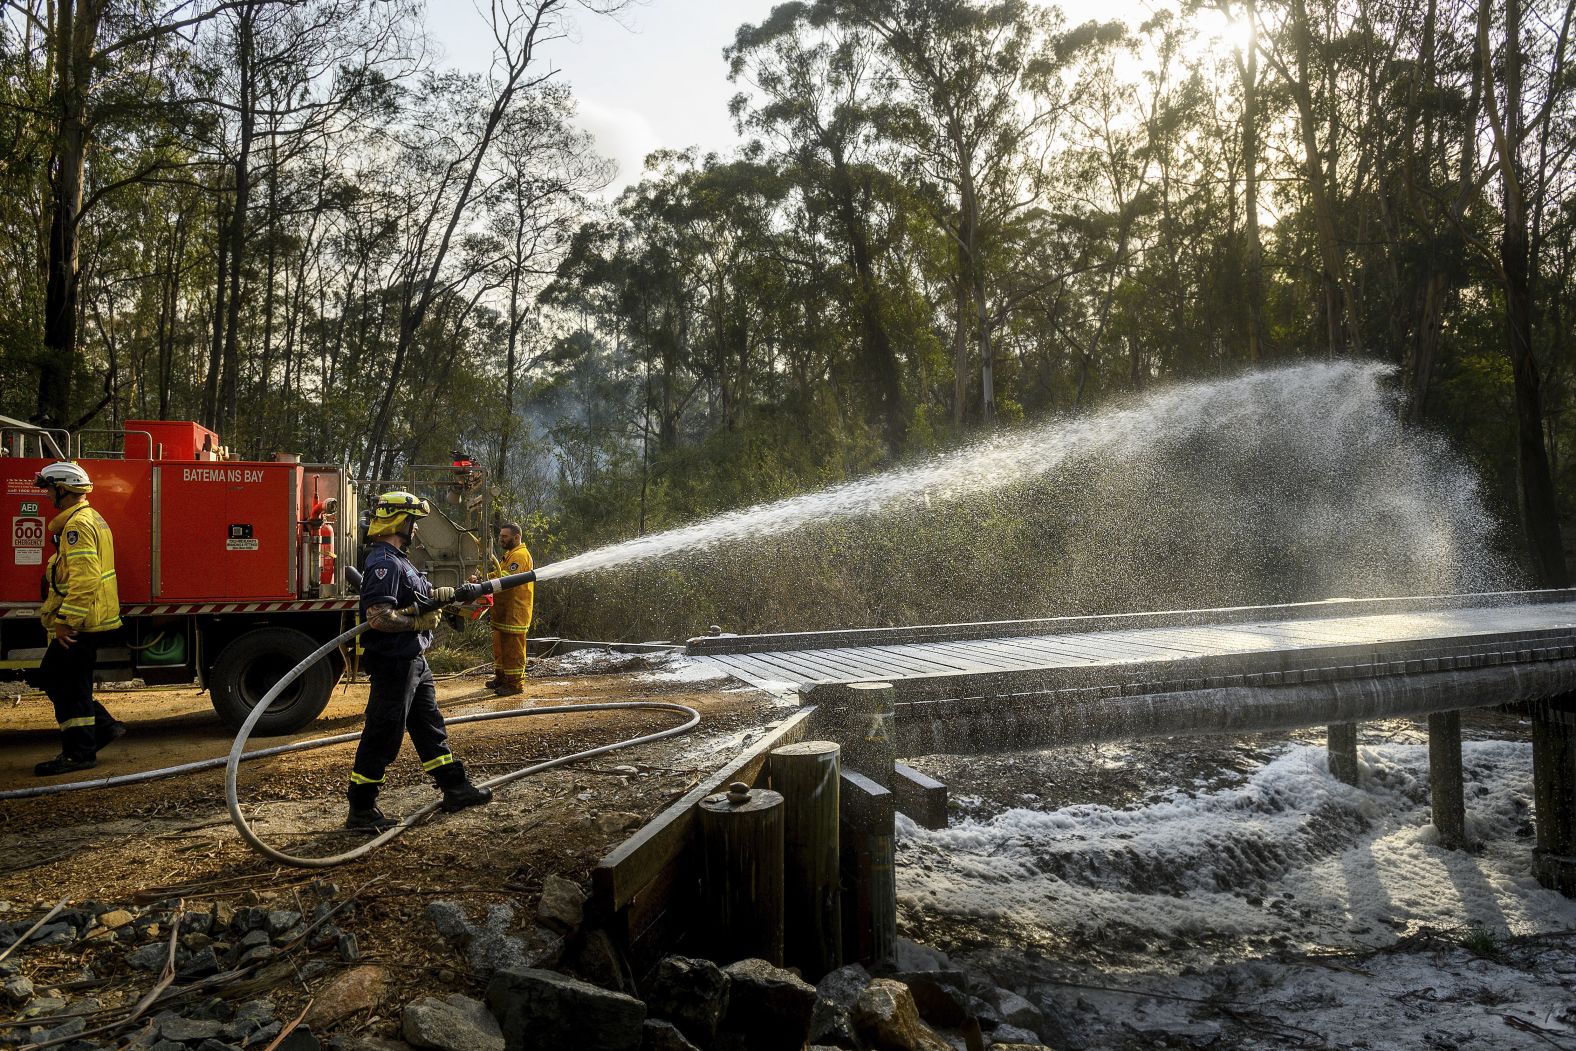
(240, 545)
(27, 532)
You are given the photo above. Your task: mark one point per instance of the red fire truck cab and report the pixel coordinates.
(230, 571)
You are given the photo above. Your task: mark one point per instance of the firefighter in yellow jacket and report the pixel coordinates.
(81, 606)
(511, 616)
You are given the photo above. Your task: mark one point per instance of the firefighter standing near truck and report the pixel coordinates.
(511, 616)
(402, 697)
(81, 606)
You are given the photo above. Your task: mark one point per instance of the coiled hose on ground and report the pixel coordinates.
(238, 753)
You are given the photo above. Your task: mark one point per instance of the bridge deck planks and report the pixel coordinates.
(1366, 636)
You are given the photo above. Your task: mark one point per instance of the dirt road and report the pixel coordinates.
(173, 837)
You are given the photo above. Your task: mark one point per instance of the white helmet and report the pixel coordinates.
(67, 475)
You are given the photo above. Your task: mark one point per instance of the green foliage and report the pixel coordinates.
(923, 188)
(1483, 942)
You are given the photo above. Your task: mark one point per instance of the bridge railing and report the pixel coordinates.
(1327, 609)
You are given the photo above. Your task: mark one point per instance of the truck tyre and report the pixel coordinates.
(250, 665)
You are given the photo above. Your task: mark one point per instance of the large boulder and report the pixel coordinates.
(690, 993)
(454, 1023)
(562, 907)
(488, 944)
(352, 992)
(886, 1019)
(768, 1007)
(911, 956)
(942, 997)
(546, 1011)
(591, 955)
(657, 1035)
(1019, 1012)
(836, 995)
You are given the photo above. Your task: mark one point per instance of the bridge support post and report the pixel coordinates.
(1446, 796)
(1341, 741)
(808, 776)
(869, 720)
(742, 847)
(1554, 789)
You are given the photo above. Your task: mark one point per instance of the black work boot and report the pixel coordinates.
(458, 792)
(64, 764)
(492, 683)
(369, 819)
(462, 795)
(108, 732)
(364, 813)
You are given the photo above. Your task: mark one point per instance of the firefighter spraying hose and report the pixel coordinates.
(464, 593)
(238, 754)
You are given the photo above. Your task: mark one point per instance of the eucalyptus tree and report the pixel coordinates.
(818, 96)
(289, 76)
(1527, 91)
(111, 76)
(981, 83)
(542, 176)
(519, 27)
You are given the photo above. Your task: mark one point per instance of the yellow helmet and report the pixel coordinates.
(391, 510)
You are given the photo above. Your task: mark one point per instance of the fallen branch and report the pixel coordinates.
(287, 1030)
(1547, 1036)
(51, 914)
(161, 995)
(166, 978)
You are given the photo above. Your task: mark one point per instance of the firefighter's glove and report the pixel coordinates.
(443, 596)
(428, 621)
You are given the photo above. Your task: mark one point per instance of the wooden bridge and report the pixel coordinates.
(876, 695)
(1028, 684)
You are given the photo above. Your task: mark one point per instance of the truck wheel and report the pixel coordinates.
(250, 665)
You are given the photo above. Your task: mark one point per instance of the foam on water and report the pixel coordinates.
(1311, 458)
(1288, 851)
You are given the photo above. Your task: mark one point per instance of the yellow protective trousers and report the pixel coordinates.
(509, 654)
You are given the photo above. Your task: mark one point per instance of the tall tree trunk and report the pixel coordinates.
(1539, 513)
(76, 29)
(882, 371)
(511, 362)
(229, 382)
(969, 201)
(960, 349)
(1248, 70)
(210, 400)
(1321, 171)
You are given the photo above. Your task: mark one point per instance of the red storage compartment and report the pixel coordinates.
(179, 439)
(121, 493)
(226, 531)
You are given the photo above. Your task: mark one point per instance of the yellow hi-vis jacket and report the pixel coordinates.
(81, 573)
(511, 612)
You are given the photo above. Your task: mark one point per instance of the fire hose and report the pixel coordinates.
(238, 753)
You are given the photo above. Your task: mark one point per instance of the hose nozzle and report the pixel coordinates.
(469, 592)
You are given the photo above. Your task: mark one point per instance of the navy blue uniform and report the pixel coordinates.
(391, 577)
(402, 698)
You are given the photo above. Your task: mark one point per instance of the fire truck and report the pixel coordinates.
(230, 571)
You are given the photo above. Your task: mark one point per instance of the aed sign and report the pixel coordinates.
(220, 474)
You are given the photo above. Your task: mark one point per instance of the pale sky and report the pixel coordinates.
(659, 79)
